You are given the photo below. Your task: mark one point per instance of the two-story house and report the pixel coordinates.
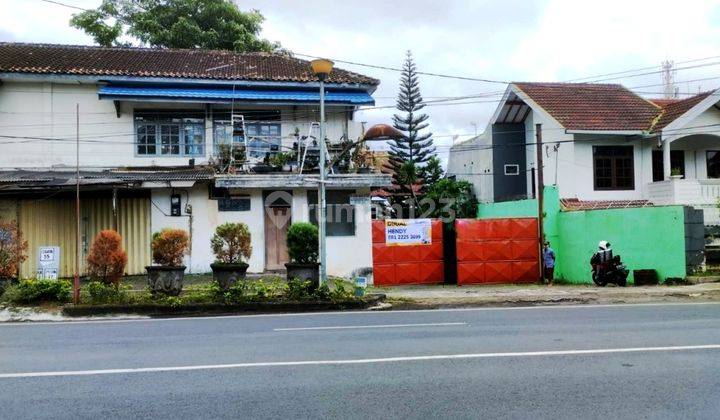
(177, 138)
(601, 142)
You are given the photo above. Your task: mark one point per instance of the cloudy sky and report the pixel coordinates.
(550, 40)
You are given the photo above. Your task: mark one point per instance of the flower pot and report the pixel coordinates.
(363, 170)
(308, 271)
(228, 274)
(165, 279)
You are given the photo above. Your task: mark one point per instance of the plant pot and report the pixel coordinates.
(308, 271)
(363, 170)
(287, 168)
(165, 279)
(228, 274)
(263, 169)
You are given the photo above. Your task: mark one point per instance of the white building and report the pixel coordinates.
(154, 128)
(601, 142)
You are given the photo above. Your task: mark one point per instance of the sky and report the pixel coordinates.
(531, 40)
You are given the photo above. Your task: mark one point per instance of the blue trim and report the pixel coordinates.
(225, 94)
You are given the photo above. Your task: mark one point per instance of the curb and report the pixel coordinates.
(204, 309)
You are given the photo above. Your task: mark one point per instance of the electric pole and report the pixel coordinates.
(540, 191)
(76, 280)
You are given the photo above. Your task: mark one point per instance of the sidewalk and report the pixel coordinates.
(449, 296)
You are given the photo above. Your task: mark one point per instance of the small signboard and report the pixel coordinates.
(48, 262)
(408, 231)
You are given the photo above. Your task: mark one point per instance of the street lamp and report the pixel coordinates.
(322, 68)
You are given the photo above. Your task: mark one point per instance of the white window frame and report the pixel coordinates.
(512, 165)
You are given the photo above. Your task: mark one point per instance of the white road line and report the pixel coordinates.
(365, 312)
(361, 361)
(353, 327)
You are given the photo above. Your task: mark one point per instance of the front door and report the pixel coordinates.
(277, 221)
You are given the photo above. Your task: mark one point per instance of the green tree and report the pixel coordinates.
(415, 147)
(205, 24)
(451, 197)
(432, 172)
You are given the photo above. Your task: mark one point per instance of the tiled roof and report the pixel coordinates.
(574, 204)
(156, 62)
(674, 109)
(65, 178)
(588, 106)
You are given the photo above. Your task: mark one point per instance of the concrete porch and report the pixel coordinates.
(702, 194)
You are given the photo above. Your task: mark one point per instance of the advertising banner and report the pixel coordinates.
(408, 231)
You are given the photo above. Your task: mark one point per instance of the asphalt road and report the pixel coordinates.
(641, 361)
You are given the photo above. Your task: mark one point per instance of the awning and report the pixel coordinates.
(335, 97)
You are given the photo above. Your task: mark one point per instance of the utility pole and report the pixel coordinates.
(540, 190)
(76, 281)
(323, 215)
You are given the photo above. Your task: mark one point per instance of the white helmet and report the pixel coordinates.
(604, 245)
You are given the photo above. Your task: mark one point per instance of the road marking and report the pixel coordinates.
(362, 361)
(365, 312)
(353, 327)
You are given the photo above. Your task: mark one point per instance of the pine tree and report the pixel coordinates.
(432, 172)
(415, 147)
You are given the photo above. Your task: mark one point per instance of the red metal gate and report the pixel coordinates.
(410, 264)
(497, 250)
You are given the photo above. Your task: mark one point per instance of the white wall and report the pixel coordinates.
(469, 160)
(347, 255)
(47, 110)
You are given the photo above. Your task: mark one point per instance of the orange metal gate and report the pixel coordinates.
(411, 264)
(497, 250)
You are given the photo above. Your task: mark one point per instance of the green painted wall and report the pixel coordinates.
(645, 238)
(520, 208)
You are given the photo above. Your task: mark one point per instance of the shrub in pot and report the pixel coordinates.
(169, 246)
(106, 261)
(231, 245)
(302, 244)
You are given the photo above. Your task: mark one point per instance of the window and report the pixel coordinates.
(161, 133)
(613, 168)
(234, 204)
(512, 169)
(340, 213)
(677, 161)
(713, 163)
(262, 130)
(146, 139)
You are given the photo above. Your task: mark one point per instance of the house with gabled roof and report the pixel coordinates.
(178, 138)
(601, 143)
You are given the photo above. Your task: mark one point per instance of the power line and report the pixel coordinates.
(65, 5)
(375, 66)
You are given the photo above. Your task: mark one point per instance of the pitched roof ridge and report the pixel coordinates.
(569, 84)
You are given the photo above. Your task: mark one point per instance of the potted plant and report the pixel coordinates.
(302, 244)
(107, 259)
(676, 173)
(169, 246)
(230, 244)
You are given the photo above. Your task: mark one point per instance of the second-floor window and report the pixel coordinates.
(164, 133)
(262, 131)
(613, 167)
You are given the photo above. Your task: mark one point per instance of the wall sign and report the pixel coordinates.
(48, 262)
(408, 231)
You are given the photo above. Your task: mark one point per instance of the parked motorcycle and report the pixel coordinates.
(607, 268)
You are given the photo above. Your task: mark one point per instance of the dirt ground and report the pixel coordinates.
(407, 297)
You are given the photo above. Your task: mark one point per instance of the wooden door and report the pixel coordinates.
(277, 222)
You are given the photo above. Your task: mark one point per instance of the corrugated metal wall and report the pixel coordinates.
(52, 223)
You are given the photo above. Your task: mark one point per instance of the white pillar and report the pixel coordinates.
(666, 159)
